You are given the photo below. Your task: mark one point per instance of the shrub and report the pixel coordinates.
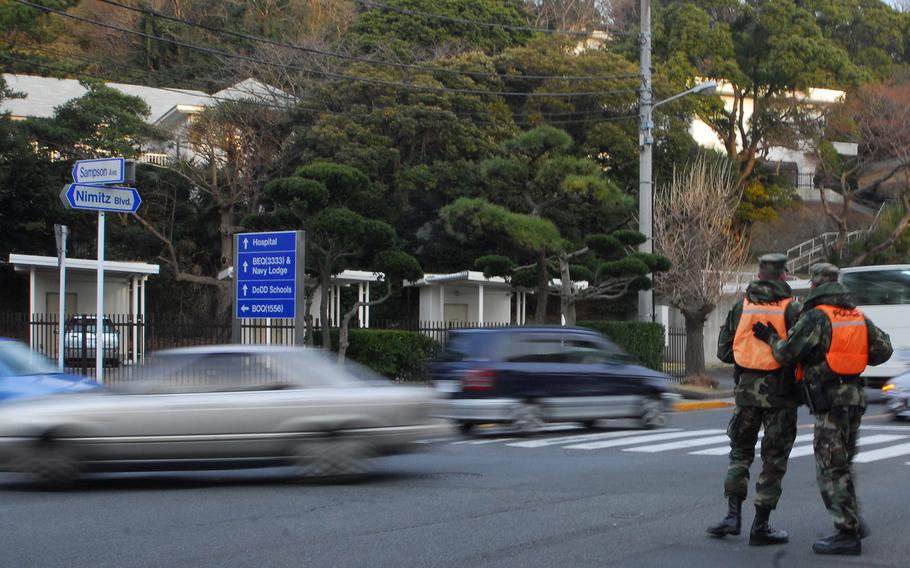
(393, 353)
(642, 340)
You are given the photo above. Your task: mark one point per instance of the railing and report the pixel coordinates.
(814, 250)
(675, 353)
(156, 159)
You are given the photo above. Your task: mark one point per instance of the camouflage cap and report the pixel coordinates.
(823, 272)
(772, 266)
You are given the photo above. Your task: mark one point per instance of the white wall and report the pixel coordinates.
(497, 302)
(116, 292)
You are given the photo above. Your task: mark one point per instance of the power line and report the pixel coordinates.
(321, 110)
(367, 60)
(545, 115)
(453, 19)
(331, 74)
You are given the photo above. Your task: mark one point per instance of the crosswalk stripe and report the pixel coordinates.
(905, 429)
(678, 445)
(883, 453)
(724, 450)
(481, 442)
(641, 439)
(864, 440)
(580, 438)
(431, 440)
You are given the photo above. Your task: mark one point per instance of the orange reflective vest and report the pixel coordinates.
(849, 351)
(749, 351)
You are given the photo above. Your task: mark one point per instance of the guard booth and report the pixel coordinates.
(124, 306)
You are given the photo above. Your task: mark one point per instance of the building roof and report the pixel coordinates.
(344, 277)
(463, 277)
(25, 262)
(44, 94)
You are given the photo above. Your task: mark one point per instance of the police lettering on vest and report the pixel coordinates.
(849, 351)
(750, 352)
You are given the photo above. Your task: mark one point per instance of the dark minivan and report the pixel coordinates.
(528, 375)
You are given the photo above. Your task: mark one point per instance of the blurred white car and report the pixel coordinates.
(221, 407)
(896, 393)
(79, 342)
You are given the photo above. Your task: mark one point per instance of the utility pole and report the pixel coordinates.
(645, 146)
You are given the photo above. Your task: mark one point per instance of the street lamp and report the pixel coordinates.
(645, 144)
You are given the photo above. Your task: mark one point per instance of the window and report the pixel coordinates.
(538, 349)
(878, 287)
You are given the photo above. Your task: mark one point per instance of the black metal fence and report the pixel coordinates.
(675, 352)
(126, 339)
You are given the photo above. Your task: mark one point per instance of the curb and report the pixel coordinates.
(702, 405)
(704, 395)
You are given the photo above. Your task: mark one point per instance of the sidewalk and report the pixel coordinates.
(700, 399)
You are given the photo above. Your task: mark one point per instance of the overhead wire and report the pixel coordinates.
(547, 116)
(366, 60)
(321, 110)
(332, 74)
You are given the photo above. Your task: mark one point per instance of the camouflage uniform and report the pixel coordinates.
(835, 429)
(763, 398)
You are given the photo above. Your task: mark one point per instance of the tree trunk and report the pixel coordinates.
(325, 281)
(695, 342)
(566, 306)
(543, 288)
(226, 230)
(343, 332)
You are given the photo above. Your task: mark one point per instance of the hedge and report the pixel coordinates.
(393, 353)
(642, 340)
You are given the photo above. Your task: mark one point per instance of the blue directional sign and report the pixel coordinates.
(101, 198)
(266, 275)
(103, 170)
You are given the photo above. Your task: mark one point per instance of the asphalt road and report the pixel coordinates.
(564, 498)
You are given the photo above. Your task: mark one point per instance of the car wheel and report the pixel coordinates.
(652, 414)
(589, 423)
(527, 417)
(335, 456)
(47, 461)
(466, 427)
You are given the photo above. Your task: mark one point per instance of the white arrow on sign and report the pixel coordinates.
(246, 243)
(245, 265)
(244, 309)
(244, 289)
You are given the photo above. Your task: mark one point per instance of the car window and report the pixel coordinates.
(537, 349)
(240, 371)
(19, 360)
(470, 346)
(879, 287)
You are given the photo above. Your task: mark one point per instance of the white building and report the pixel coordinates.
(801, 156)
(171, 109)
(469, 297)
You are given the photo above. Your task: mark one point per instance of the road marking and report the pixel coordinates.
(432, 440)
(864, 440)
(580, 438)
(641, 439)
(678, 445)
(481, 442)
(883, 453)
(905, 429)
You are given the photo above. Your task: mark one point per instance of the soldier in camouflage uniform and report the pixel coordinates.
(839, 400)
(764, 398)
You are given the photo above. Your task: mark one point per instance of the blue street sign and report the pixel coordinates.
(100, 198)
(266, 275)
(103, 170)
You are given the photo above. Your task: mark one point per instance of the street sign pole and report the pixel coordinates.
(300, 291)
(60, 232)
(236, 329)
(99, 317)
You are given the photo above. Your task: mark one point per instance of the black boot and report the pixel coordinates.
(842, 542)
(762, 533)
(732, 523)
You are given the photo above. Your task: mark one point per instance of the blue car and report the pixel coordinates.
(25, 374)
(526, 376)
